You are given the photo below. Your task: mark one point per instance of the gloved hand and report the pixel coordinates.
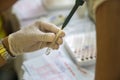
(34, 37)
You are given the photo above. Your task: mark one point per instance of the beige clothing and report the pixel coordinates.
(92, 5)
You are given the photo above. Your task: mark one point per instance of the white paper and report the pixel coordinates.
(55, 67)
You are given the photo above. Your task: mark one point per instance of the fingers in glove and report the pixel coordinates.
(43, 45)
(60, 38)
(46, 44)
(56, 46)
(59, 41)
(45, 26)
(62, 34)
(46, 37)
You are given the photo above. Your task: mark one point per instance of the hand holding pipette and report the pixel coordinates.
(77, 4)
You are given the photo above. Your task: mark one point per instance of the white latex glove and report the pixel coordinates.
(34, 37)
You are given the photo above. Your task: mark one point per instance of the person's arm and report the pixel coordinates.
(108, 41)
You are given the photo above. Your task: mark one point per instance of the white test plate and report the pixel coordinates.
(82, 48)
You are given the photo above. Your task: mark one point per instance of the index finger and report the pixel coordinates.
(48, 27)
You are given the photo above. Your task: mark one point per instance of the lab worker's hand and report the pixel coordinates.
(34, 37)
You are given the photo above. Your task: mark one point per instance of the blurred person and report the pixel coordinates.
(30, 38)
(106, 15)
(8, 24)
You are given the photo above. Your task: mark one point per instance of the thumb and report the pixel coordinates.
(46, 37)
